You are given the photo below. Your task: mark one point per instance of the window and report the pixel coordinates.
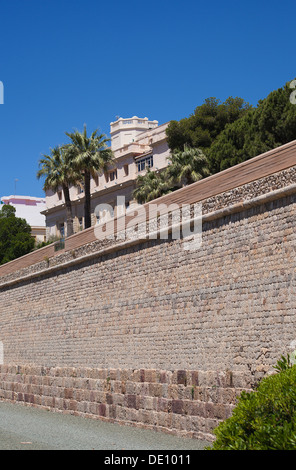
(113, 175)
(80, 223)
(80, 189)
(62, 229)
(125, 168)
(96, 180)
(145, 162)
(60, 195)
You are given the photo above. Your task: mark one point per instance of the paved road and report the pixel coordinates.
(26, 428)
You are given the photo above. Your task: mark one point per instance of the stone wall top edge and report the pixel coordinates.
(213, 208)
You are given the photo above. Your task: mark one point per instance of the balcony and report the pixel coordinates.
(132, 149)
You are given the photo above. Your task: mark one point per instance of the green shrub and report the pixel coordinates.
(264, 419)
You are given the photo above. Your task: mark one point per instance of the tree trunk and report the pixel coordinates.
(87, 208)
(69, 214)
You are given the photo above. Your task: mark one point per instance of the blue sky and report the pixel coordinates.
(68, 62)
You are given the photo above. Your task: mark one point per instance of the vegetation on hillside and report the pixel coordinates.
(202, 127)
(271, 124)
(226, 134)
(15, 235)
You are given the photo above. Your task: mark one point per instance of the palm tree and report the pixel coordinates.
(151, 186)
(188, 166)
(58, 174)
(90, 155)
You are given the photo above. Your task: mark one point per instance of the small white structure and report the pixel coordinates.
(29, 208)
(125, 131)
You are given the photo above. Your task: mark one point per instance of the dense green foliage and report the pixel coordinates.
(232, 132)
(202, 127)
(15, 235)
(271, 124)
(264, 419)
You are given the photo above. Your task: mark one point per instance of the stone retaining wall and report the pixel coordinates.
(150, 334)
(185, 403)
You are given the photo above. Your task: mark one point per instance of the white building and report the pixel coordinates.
(137, 144)
(29, 208)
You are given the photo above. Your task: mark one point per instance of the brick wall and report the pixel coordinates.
(151, 334)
